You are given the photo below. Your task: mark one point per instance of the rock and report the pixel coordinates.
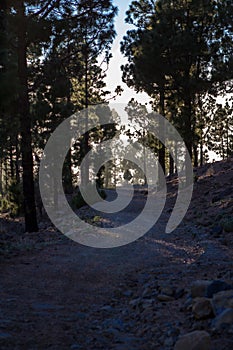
(167, 291)
(164, 297)
(169, 342)
(199, 288)
(147, 303)
(5, 335)
(179, 293)
(135, 302)
(205, 288)
(202, 308)
(216, 230)
(127, 293)
(75, 347)
(222, 300)
(114, 323)
(215, 287)
(197, 340)
(187, 306)
(224, 319)
(106, 308)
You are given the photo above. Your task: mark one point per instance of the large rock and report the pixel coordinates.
(199, 288)
(224, 319)
(222, 300)
(202, 308)
(205, 288)
(215, 287)
(197, 340)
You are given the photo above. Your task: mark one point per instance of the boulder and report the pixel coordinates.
(222, 300)
(197, 340)
(205, 288)
(199, 288)
(202, 308)
(225, 319)
(215, 287)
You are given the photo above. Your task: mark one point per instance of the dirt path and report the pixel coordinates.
(62, 295)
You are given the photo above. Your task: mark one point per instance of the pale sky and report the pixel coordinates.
(114, 73)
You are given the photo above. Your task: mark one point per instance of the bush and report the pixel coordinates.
(78, 200)
(12, 201)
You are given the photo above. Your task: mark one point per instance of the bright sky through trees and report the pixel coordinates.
(114, 73)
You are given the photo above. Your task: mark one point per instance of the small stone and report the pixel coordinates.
(4, 335)
(135, 302)
(127, 293)
(179, 293)
(197, 340)
(202, 308)
(106, 308)
(167, 291)
(146, 292)
(224, 319)
(75, 347)
(163, 297)
(187, 306)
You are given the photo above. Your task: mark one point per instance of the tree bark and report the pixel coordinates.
(195, 155)
(162, 172)
(25, 124)
(17, 155)
(171, 165)
(85, 176)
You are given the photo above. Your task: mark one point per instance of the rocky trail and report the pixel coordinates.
(163, 291)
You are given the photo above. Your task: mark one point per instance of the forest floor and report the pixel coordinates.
(57, 294)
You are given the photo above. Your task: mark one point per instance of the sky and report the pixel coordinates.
(114, 73)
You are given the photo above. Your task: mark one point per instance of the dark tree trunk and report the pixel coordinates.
(1, 190)
(188, 126)
(201, 153)
(188, 136)
(162, 173)
(171, 165)
(144, 158)
(85, 170)
(25, 125)
(195, 155)
(68, 183)
(17, 173)
(6, 174)
(12, 161)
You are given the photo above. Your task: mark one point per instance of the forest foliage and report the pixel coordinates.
(54, 56)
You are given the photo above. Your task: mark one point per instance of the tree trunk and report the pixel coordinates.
(144, 159)
(85, 170)
(171, 165)
(25, 125)
(67, 174)
(1, 191)
(201, 152)
(17, 173)
(161, 173)
(12, 162)
(188, 136)
(195, 154)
